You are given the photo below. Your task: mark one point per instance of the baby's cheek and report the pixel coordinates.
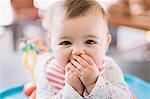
(99, 60)
(97, 57)
(61, 59)
(61, 62)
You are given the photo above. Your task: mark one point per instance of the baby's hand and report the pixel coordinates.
(73, 79)
(86, 70)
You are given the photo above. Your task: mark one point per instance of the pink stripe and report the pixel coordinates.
(57, 70)
(55, 81)
(57, 88)
(56, 76)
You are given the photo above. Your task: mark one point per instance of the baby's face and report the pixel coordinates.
(82, 35)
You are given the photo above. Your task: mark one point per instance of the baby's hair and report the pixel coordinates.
(72, 9)
(75, 8)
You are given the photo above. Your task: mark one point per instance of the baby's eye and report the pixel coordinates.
(91, 42)
(65, 43)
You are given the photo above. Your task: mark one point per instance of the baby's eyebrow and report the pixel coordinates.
(64, 37)
(91, 36)
(87, 36)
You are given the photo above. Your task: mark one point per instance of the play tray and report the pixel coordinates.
(139, 87)
(13, 93)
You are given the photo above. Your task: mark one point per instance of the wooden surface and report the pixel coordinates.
(141, 22)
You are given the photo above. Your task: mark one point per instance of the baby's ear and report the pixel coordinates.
(108, 40)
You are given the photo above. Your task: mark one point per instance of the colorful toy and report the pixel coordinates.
(30, 52)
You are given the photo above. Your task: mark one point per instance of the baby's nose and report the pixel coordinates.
(78, 51)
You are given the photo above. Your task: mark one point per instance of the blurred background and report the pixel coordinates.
(129, 24)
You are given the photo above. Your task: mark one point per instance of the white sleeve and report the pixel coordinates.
(46, 91)
(111, 86)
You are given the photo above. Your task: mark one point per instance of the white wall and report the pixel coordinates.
(12, 73)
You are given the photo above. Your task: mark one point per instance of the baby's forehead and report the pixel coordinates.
(79, 33)
(90, 24)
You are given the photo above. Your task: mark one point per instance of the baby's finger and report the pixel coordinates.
(72, 67)
(77, 65)
(82, 61)
(67, 68)
(88, 59)
(78, 73)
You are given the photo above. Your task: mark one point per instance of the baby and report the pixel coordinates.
(79, 69)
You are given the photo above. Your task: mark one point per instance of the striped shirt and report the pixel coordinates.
(110, 84)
